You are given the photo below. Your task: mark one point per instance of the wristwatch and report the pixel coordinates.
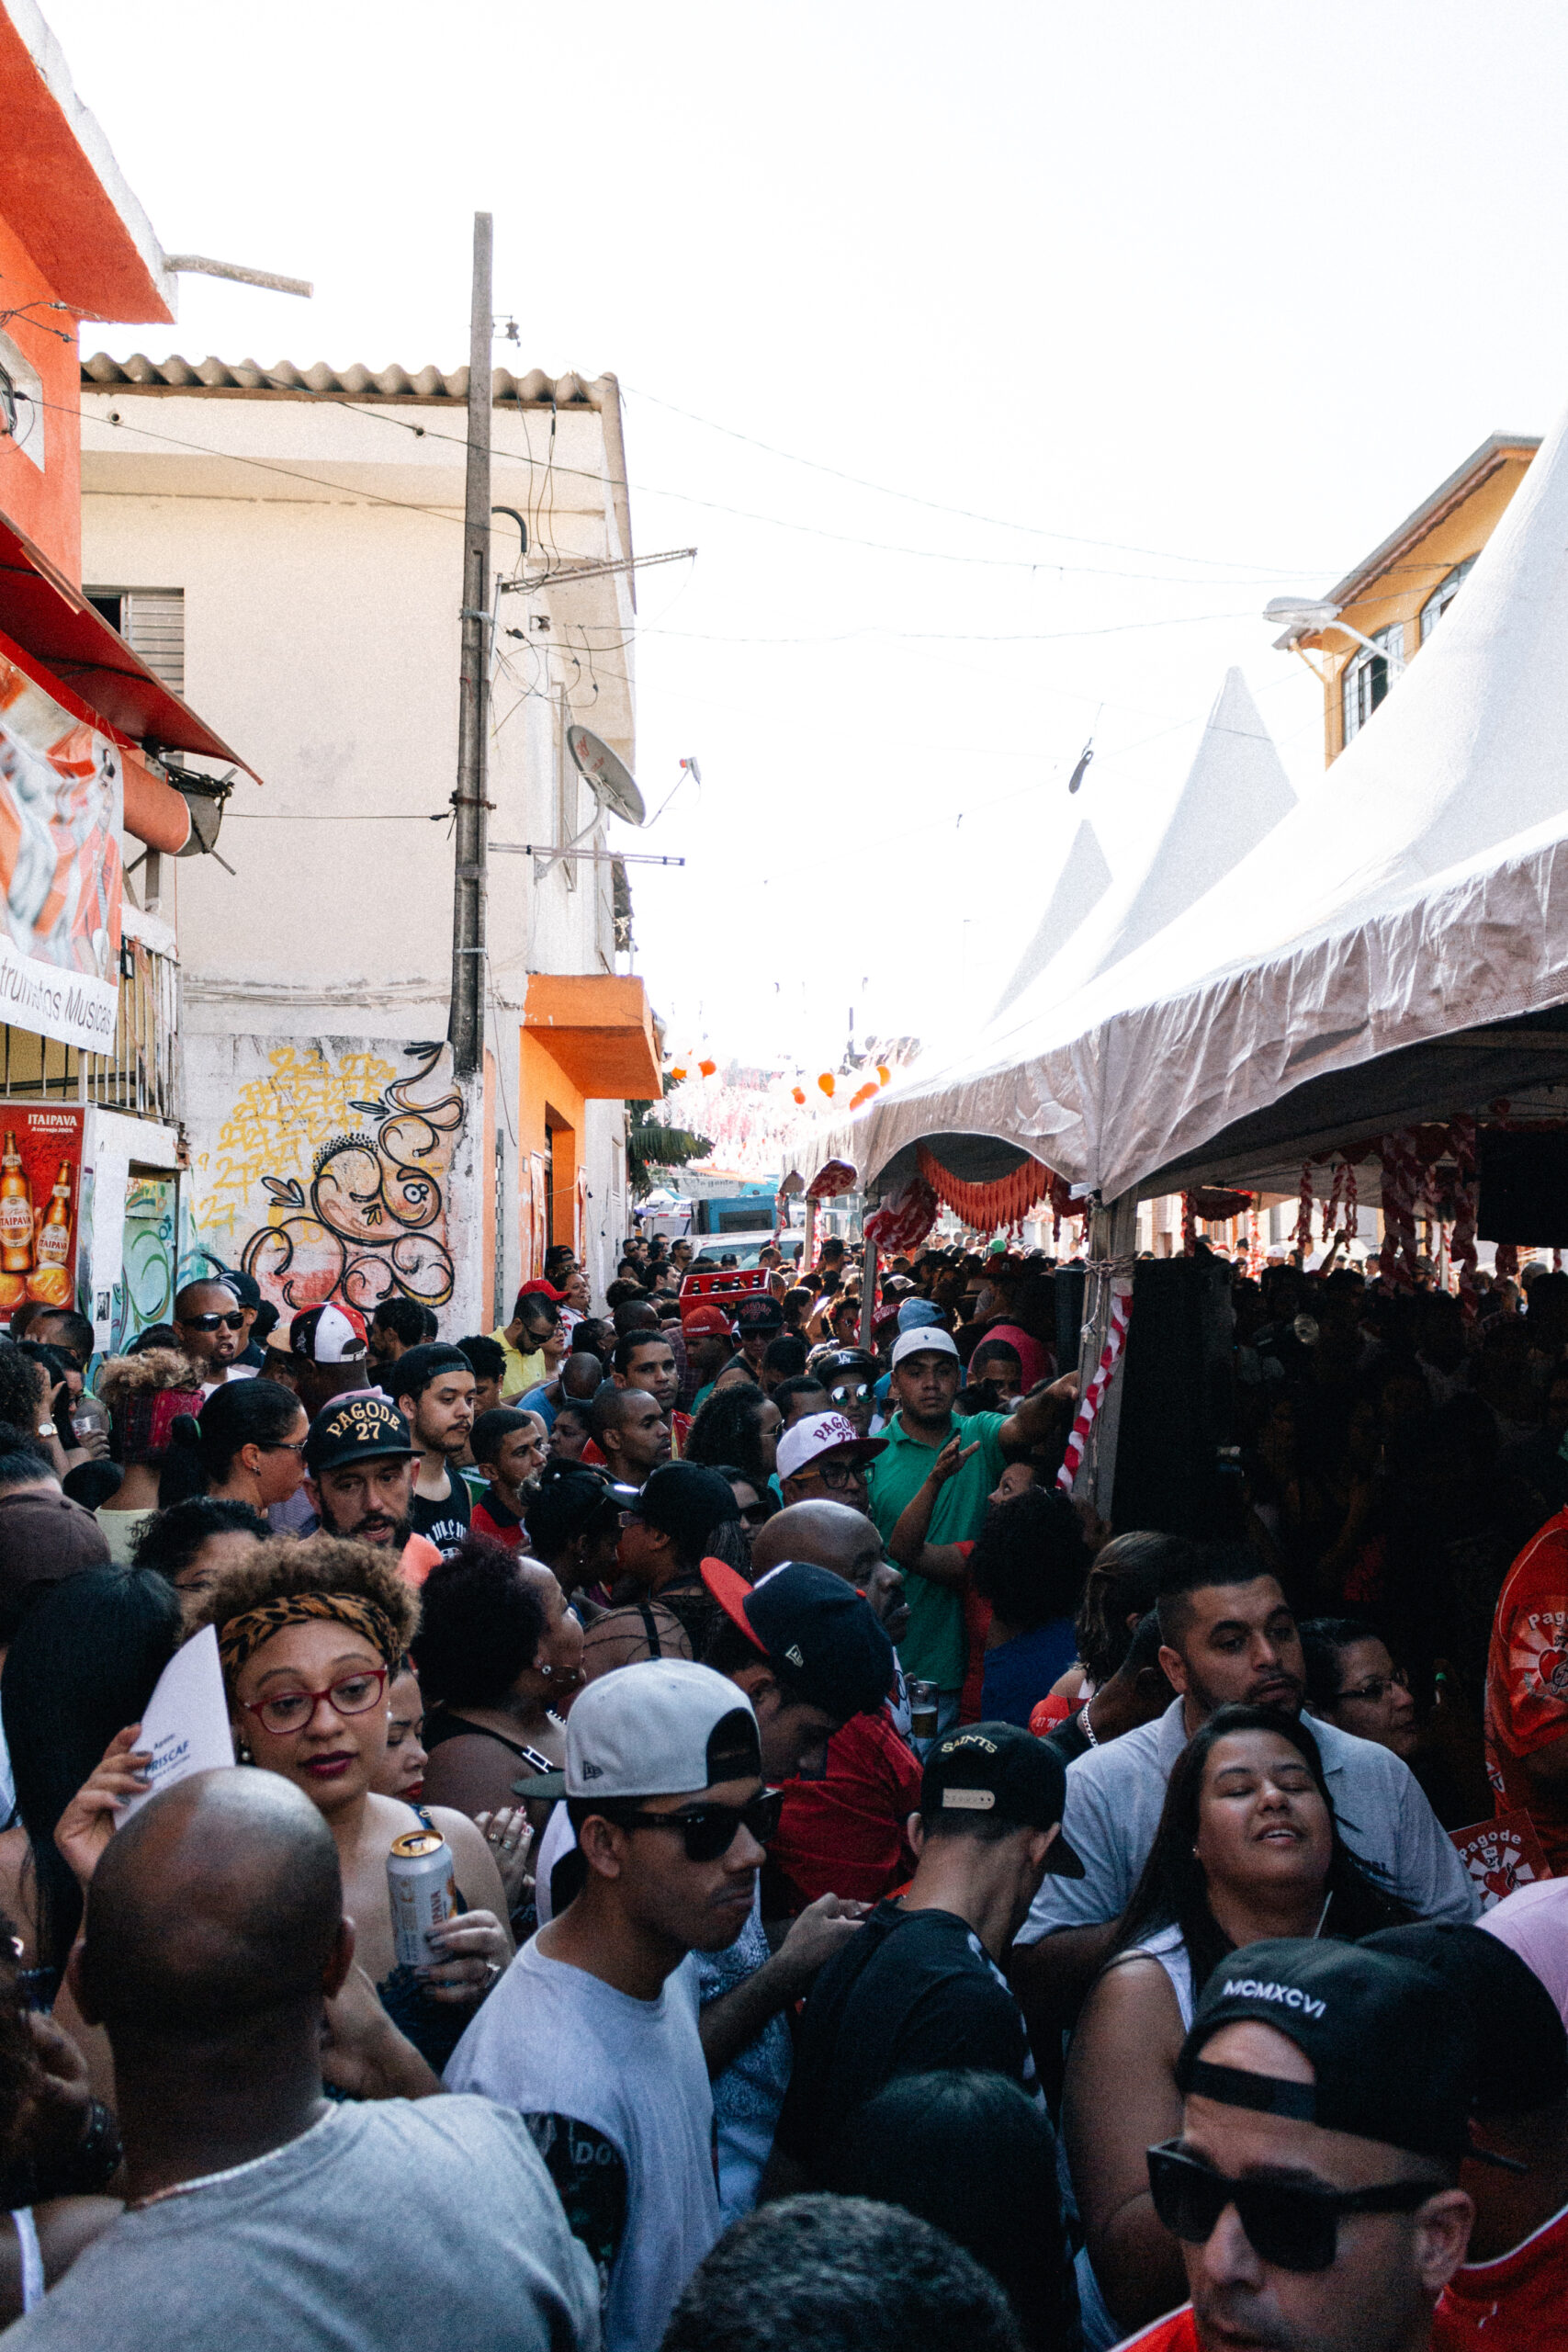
(47, 1428)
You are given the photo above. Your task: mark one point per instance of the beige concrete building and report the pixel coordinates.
(285, 549)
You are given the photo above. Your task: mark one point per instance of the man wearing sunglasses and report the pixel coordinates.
(1327, 2090)
(212, 1324)
(849, 1376)
(593, 2033)
(822, 1460)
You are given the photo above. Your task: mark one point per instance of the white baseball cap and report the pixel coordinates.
(661, 1728)
(822, 1433)
(925, 1339)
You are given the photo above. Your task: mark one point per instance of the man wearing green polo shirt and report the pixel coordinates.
(924, 1383)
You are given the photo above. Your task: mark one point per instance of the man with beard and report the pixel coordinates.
(1228, 1634)
(359, 1466)
(434, 1391)
(509, 1447)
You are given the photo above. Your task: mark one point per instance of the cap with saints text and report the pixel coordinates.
(998, 1772)
(1391, 2047)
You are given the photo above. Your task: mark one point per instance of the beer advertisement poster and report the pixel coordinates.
(40, 1189)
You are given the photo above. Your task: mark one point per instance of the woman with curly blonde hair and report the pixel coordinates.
(311, 1635)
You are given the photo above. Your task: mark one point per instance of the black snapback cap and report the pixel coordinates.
(1521, 2046)
(1003, 1771)
(1391, 2051)
(821, 1630)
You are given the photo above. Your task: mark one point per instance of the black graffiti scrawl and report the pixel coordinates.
(372, 1224)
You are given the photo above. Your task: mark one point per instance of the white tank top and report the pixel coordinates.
(1171, 1953)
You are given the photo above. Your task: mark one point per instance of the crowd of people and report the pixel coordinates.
(879, 1899)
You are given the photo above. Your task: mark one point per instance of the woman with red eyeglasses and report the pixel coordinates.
(311, 1636)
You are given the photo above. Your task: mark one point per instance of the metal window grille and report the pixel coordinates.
(138, 1077)
(152, 623)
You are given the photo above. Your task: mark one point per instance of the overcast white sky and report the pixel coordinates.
(1197, 302)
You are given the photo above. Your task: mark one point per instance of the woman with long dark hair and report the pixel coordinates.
(738, 1427)
(1247, 1847)
(84, 1664)
(249, 1439)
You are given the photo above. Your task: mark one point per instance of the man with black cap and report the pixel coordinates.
(1314, 2188)
(592, 2031)
(669, 1529)
(360, 1471)
(1512, 2293)
(757, 1319)
(921, 1988)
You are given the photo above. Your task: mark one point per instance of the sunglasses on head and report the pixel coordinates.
(1290, 2224)
(711, 1830)
(235, 1322)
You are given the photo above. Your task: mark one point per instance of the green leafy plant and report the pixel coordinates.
(652, 1143)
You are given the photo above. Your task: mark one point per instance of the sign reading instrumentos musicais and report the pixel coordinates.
(62, 793)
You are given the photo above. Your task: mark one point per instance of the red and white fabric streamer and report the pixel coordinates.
(1094, 1395)
(902, 1223)
(1403, 1176)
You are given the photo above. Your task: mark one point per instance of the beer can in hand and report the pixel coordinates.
(423, 1893)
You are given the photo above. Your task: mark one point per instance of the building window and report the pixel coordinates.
(1365, 681)
(21, 402)
(152, 623)
(1442, 596)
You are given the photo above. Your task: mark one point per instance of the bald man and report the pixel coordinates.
(844, 1834)
(832, 1536)
(258, 2213)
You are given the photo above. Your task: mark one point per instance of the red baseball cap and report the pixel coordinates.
(705, 1322)
(540, 1288)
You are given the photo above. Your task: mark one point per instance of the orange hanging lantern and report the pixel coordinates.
(799, 1094)
(827, 1082)
(707, 1069)
(884, 1075)
(677, 1074)
(862, 1095)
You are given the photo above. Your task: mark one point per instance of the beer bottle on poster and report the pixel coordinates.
(54, 1235)
(16, 1211)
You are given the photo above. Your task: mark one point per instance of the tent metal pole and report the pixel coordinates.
(1113, 1242)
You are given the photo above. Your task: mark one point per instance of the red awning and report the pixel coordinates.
(53, 621)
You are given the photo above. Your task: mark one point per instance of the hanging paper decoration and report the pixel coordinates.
(1216, 1204)
(679, 1075)
(834, 1176)
(1094, 1395)
(902, 1223)
(1402, 1178)
(827, 1082)
(862, 1095)
(1007, 1199)
(1303, 1213)
(884, 1075)
(1189, 1225)
(798, 1095)
(707, 1069)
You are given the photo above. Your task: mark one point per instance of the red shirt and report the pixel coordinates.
(1177, 2334)
(1518, 2303)
(416, 1559)
(498, 1523)
(844, 1834)
(1527, 1682)
(1047, 1713)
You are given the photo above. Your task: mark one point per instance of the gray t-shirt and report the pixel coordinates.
(393, 2225)
(1116, 1795)
(565, 2047)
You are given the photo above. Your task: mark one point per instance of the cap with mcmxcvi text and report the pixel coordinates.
(1393, 2052)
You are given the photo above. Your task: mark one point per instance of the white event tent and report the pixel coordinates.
(1394, 948)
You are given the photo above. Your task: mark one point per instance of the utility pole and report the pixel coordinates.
(467, 1025)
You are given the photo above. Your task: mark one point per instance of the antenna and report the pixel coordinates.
(609, 779)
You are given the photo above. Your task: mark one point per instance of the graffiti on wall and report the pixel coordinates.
(330, 1176)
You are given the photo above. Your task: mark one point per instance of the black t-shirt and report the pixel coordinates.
(444, 1524)
(915, 1993)
(1069, 1739)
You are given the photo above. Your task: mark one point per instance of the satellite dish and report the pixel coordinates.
(609, 779)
